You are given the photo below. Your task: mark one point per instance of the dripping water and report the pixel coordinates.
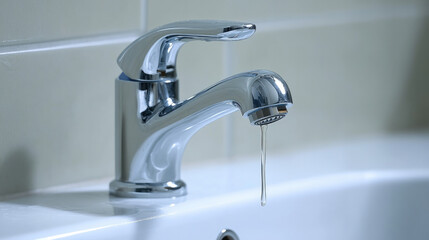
(263, 163)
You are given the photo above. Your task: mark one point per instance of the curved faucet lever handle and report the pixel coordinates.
(153, 55)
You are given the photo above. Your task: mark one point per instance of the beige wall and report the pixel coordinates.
(355, 68)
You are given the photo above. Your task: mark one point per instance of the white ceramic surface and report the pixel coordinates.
(374, 188)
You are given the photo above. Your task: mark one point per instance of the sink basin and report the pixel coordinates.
(375, 188)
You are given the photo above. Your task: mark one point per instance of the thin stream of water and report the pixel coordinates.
(263, 163)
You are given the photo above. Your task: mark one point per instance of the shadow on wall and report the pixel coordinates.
(413, 105)
(16, 172)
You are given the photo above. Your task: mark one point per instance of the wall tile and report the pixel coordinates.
(346, 81)
(163, 12)
(57, 116)
(36, 21)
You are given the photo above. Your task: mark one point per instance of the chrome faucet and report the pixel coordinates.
(153, 126)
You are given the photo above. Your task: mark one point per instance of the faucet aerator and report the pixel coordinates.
(267, 115)
(268, 120)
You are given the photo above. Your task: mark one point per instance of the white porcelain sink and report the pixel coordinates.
(371, 189)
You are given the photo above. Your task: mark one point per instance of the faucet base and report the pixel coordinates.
(148, 190)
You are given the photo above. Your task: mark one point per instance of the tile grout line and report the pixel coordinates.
(99, 40)
(143, 15)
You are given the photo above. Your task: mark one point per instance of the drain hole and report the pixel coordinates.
(227, 234)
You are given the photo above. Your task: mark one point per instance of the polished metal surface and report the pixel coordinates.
(148, 190)
(227, 234)
(153, 55)
(153, 126)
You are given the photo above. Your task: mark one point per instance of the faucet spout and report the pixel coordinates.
(150, 144)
